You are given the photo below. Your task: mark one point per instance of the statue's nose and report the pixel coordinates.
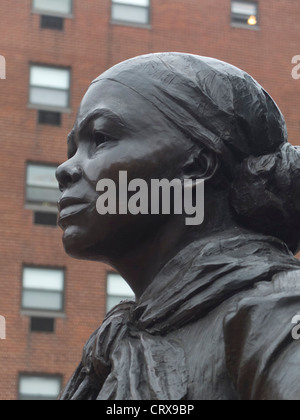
(68, 174)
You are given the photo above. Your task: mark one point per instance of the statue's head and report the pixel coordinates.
(178, 116)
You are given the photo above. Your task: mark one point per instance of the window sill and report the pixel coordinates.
(42, 314)
(41, 208)
(55, 14)
(49, 108)
(131, 24)
(245, 26)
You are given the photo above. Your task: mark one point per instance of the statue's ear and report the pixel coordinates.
(202, 164)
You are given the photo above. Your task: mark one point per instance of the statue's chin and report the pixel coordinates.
(77, 244)
(74, 241)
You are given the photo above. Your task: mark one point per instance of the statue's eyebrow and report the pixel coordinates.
(102, 112)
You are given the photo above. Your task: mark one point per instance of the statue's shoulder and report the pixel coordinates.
(266, 299)
(282, 285)
(258, 334)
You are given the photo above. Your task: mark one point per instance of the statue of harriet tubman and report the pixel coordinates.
(215, 302)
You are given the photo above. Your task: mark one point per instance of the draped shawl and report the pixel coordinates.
(132, 357)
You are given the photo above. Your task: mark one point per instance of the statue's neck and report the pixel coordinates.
(141, 265)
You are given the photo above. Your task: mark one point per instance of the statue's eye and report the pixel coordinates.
(100, 138)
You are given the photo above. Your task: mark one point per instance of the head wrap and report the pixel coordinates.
(212, 102)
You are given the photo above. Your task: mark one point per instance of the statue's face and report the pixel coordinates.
(116, 130)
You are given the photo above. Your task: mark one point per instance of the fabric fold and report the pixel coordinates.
(132, 355)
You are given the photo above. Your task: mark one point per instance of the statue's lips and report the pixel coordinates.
(66, 202)
(72, 210)
(69, 207)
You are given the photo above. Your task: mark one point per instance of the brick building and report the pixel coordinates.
(51, 50)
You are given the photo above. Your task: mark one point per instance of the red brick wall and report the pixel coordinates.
(89, 45)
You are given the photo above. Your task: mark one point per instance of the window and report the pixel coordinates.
(42, 325)
(49, 87)
(52, 7)
(131, 11)
(45, 219)
(117, 290)
(244, 13)
(49, 117)
(39, 387)
(43, 289)
(52, 22)
(42, 187)
(52, 12)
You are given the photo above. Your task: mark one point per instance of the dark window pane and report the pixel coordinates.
(49, 117)
(45, 219)
(42, 325)
(52, 22)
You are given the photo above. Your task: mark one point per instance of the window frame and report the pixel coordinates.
(39, 312)
(245, 25)
(42, 206)
(124, 22)
(38, 375)
(44, 107)
(38, 11)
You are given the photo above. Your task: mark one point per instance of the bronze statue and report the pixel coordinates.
(214, 302)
